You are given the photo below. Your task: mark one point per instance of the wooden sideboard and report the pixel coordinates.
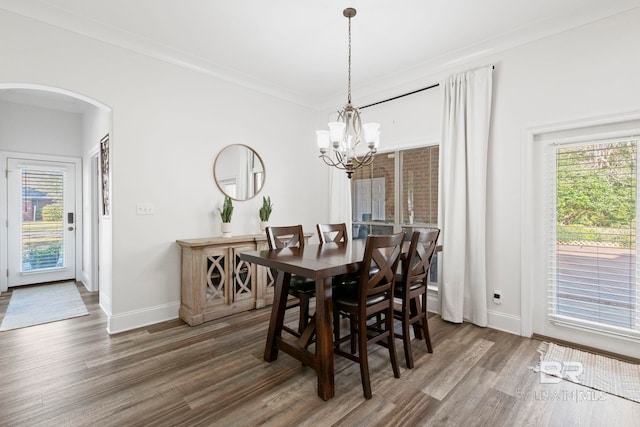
(215, 282)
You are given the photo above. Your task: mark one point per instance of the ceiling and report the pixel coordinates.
(297, 49)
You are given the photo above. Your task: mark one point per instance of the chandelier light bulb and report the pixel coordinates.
(323, 139)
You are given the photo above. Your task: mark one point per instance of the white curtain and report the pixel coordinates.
(466, 114)
(340, 198)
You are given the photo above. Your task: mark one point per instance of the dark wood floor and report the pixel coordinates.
(73, 373)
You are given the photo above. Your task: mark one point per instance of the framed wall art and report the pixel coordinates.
(105, 175)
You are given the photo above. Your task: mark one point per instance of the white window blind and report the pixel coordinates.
(592, 206)
(42, 219)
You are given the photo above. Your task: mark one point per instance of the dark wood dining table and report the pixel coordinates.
(320, 262)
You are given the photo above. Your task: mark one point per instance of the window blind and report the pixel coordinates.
(42, 219)
(592, 210)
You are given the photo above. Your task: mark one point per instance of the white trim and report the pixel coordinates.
(504, 322)
(526, 235)
(104, 301)
(93, 226)
(599, 328)
(54, 89)
(143, 317)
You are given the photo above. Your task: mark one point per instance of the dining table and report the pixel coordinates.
(319, 262)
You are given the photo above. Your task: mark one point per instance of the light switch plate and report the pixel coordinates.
(145, 209)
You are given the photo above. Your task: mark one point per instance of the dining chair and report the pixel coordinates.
(336, 233)
(372, 295)
(300, 287)
(411, 289)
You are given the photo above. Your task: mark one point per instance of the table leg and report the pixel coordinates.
(281, 290)
(324, 334)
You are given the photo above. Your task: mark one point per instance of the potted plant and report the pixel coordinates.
(225, 214)
(265, 212)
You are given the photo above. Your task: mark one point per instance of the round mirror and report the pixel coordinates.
(239, 172)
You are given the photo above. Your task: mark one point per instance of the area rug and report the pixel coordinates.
(591, 370)
(35, 305)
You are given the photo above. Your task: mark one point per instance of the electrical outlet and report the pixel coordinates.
(497, 297)
(145, 209)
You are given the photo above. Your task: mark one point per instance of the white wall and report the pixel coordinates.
(30, 129)
(168, 126)
(408, 121)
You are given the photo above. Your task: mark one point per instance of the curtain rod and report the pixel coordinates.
(400, 96)
(406, 94)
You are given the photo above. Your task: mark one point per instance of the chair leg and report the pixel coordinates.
(354, 333)
(304, 313)
(425, 323)
(336, 327)
(414, 312)
(363, 355)
(391, 343)
(406, 339)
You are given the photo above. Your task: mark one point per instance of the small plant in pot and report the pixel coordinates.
(225, 213)
(265, 212)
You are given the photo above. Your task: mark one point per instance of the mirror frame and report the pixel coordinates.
(264, 171)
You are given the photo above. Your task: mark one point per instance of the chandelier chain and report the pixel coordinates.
(349, 81)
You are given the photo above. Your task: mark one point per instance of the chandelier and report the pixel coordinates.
(340, 145)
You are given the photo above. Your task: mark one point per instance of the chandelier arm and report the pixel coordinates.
(366, 157)
(329, 162)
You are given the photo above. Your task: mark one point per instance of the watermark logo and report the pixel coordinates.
(554, 372)
(561, 395)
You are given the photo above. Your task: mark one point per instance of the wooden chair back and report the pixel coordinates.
(415, 266)
(381, 257)
(285, 237)
(332, 233)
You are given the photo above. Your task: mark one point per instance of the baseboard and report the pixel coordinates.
(623, 357)
(503, 322)
(138, 318)
(105, 303)
(495, 320)
(86, 281)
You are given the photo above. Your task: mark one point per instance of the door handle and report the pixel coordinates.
(70, 228)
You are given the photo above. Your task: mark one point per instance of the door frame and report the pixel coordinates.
(93, 223)
(532, 255)
(4, 229)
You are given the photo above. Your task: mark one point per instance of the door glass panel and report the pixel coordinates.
(594, 269)
(42, 223)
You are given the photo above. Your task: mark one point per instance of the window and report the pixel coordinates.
(397, 192)
(41, 236)
(593, 245)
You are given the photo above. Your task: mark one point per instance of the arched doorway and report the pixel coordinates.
(44, 123)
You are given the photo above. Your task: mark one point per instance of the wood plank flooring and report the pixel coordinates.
(73, 373)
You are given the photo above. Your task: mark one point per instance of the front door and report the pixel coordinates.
(41, 221)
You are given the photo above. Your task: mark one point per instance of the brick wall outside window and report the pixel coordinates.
(420, 163)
